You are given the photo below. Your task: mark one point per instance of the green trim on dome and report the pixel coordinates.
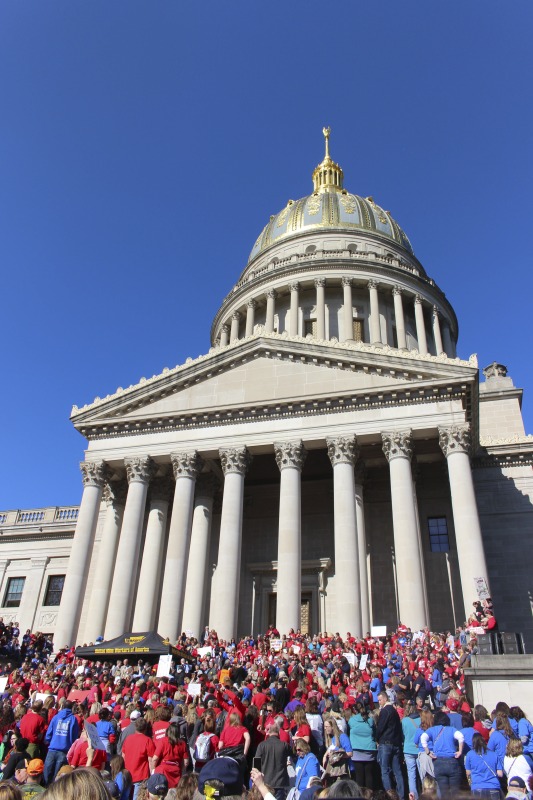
(335, 210)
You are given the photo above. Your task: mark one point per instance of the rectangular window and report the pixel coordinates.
(438, 534)
(54, 590)
(358, 330)
(15, 587)
(310, 327)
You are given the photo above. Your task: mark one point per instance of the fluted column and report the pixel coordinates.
(115, 498)
(235, 319)
(347, 309)
(93, 476)
(436, 331)
(343, 453)
(224, 335)
(270, 310)
(235, 463)
(250, 316)
(195, 587)
(294, 289)
(186, 467)
(399, 318)
(420, 326)
(320, 283)
(375, 327)
(139, 472)
(447, 337)
(152, 557)
(366, 610)
(397, 449)
(455, 443)
(290, 458)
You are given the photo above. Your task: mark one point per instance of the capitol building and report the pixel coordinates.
(331, 463)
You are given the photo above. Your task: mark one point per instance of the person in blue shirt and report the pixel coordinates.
(364, 749)
(500, 735)
(306, 765)
(468, 731)
(445, 746)
(335, 740)
(525, 732)
(483, 770)
(376, 685)
(410, 726)
(503, 708)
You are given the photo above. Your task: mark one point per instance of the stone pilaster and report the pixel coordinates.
(399, 317)
(320, 284)
(347, 308)
(375, 325)
(420, 326)
(294, 289)
(250, 316)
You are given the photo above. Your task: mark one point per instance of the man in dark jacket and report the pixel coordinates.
(389, 739)
(61, 734)
(274, 754)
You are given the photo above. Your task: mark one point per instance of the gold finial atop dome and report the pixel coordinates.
(328, 176)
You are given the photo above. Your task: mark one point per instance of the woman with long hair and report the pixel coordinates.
(515, 764)
(410, 726)
(306, 766)
(236, 737)
(121, 776)
(82, 784)
(171, 756)
(300, 727)
(315, 722)
(362, 728)
(338, 743)
(482, 770)
(482, 721)
(206, 743)
(525, 732)
(500, 735)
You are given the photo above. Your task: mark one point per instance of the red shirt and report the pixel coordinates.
(170, 760)
(233, 735)
(32, 726)
(136, 750)
(159, 730)
(79, 756)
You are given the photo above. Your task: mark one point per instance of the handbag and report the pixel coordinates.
(337, 763)
(295, 793)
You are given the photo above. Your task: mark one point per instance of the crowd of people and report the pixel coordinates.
(273, 717)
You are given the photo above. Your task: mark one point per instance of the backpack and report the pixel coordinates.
(202, 748)
(182, 725)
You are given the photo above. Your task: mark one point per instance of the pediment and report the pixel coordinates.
(270, 371)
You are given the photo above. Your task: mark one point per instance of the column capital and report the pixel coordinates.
(294, 286)
(436, 312)
(346, 281)
(93, 473)
(455, 439)
(320, 282)
(290, 454)
(115, 492)
(235, 459)
(236, 315)
(252, 303)
(397, 290)
(225, 327)
(343, 450)
(397, 444)
(418, 299)
(186, 465)
(139, 469)
(272, 294)
(372, 284)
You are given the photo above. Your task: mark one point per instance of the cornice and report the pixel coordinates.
(327, 353)
(511, 451)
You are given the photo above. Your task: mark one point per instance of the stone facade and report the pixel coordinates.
(330, 462)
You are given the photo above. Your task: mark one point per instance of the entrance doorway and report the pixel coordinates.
(305, 614)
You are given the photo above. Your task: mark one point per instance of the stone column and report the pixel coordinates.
(447, 337)
(320, 308)
(235, 319)
(250, 317)
(290, 458)
(115, 498)
(186, 467)
(397, 449)
(270, 310)
(93, 476)
(436, 331)
(366, 609)
(195, 588)
(455, 443)
(224, 336)
(139, 472)
(152, 556)
(420, 326)
(295, 298)
(32, 592)
(399, 317)
(347, 309)
(235, 463)
(343, 453)
(375, 327)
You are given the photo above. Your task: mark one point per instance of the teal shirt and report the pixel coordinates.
(362, 734)
(410, 726)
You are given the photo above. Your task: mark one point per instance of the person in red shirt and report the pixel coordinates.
(235, 734)
(137, 751)
(160, 726)
(171, 756)
(81, 754)
(33, 727)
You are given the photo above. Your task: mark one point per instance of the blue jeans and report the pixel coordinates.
(389, 762)
(448, 776)
(55, 759)
(411, 762)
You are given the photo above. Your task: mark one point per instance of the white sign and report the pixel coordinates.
(378, 630)
(275, 644)
(362, 663)
(94, 736)
(3, 684)
(164, 666)
(296, 648)
(350, 657)
(194, 689)
(205, 651)
(481, 588)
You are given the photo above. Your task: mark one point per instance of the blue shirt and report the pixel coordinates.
(375, 687)
(498, 744)
(483, 769)
(362, 733)
(468, 733)
(410, 727)
(525, 731)
(441, 740)
(306, 767)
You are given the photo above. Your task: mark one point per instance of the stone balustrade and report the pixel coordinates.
(53, 515)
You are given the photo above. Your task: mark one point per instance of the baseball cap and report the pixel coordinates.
(518, 782)
(223, 769)
(35, 767)
(135, 715)
(157, 784)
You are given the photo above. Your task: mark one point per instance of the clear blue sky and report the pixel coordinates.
(145, 144)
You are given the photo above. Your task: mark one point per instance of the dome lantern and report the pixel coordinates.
(328, 176)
